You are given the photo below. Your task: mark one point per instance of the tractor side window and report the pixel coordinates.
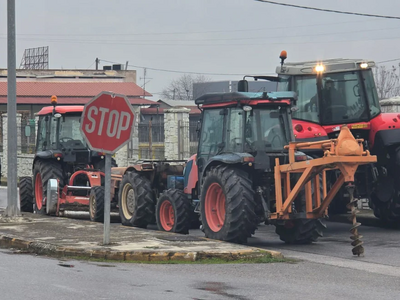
(41, 138)
(234, 132)
(372, 95)
(307, 103)
(53, 133)
(211, 132)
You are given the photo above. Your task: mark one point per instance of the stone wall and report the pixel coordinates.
(176, 132)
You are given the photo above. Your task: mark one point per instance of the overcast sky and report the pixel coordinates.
(208, 36)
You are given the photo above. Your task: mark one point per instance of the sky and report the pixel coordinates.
(228, 37)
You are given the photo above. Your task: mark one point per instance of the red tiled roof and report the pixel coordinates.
(153, 111)
(68, 100)
(73, 89)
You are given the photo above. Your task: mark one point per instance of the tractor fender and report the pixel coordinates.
(385, 132)
(227, 159)
(190, 175)
(48, 154)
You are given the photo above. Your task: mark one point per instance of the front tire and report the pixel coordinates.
(301, 231)
(42, 172)
(136, 200)
(173, 212)
(26, 194)
(96, 204)
(227, 205)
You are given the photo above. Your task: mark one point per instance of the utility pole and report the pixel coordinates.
(97, 63)
(12, 192)
(126, 65)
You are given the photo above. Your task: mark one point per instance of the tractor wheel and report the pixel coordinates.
(385, 199)
(173, 212)
(136, 200)
(227, 205)
(26, 194)
(42, 172)
(300, 231)
(96, 204)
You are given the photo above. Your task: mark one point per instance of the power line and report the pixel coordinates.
(187, 32)
(330, 10)
(221, 39)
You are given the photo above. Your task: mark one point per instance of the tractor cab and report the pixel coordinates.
(59, 138)
(330, 93)
(245, 126)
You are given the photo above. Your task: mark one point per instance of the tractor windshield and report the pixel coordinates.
(335, 98)
(68, 134)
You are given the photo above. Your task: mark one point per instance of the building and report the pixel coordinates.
(226, 86)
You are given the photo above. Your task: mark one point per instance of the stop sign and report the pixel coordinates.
(107, 122)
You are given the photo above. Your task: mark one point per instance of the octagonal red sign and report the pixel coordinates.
(107, 122)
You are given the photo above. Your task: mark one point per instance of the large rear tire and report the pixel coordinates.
(43, 171)
(136, 200)
(227, 205)
(26, 194)
(96, 204)
(173, 212)
(385, 198)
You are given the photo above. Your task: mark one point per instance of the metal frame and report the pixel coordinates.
(345, 153)
(35, 58)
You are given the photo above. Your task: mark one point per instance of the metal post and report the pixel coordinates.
(151, 138)
(107, 200)
(12, 192)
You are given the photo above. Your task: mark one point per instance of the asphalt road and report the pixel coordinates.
(26, 276)
(326, 268)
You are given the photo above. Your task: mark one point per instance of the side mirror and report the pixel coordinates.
(27, 130)
(243, 86)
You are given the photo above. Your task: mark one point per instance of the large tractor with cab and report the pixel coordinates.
(334, 92)
(248, 170)
(66, 173)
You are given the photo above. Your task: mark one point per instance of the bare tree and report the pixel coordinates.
(387, 82)
(182, 88)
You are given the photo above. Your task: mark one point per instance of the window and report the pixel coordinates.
(41, 138)
(371, 93)
(306, 89)
(211, 132)
(234, 132)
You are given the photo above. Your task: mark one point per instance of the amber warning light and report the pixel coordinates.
(54, 100)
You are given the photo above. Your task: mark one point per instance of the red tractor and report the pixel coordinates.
(66, 173)
(342, 91)
(244, 174)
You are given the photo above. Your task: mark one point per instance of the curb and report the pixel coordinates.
(41, 248)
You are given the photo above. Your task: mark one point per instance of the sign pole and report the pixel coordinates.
(107, 200)
(12, 192)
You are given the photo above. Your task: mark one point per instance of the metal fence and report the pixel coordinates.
(151, 140)
(1, 133)
(28, 135)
